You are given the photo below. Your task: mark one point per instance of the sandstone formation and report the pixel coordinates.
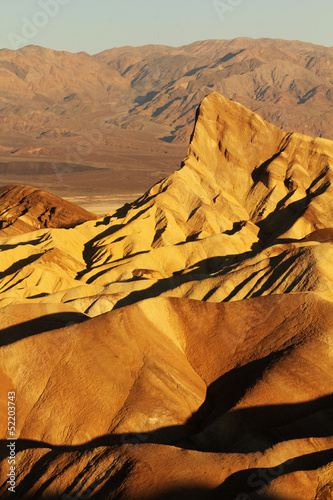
(181, 346)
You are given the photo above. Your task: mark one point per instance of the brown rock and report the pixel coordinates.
(24, 209)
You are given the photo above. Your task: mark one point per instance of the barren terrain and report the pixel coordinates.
(109, 126)
(180, 346)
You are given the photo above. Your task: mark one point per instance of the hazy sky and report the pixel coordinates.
(95, 25)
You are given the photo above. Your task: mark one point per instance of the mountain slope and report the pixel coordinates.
(245, 197)
(149, 386)
(24, 209)
(129, 388)
(289, 83)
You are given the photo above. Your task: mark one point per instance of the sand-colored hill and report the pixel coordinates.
(186, 403)
(129, 388)
(245, 198)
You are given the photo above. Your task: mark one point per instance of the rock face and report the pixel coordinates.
(181, 347)
(24, 209)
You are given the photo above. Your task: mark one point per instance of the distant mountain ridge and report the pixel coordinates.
(289, 83)
(63, 114)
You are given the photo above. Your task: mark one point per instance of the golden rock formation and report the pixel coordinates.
(181, 347)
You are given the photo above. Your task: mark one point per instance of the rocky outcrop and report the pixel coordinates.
(181, 347)
(24, 209)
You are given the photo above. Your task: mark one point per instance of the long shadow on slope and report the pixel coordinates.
(39, 325)
(280, 268)
(160, 110)
(144, 99)
(244, 425)
(284, 217)
(251, 480)
(120, 214)
(243, 482)
(255, 428)
(213, 266)
(17, 266)
(35, 242)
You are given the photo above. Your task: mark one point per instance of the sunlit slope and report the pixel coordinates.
(220, 389)
(229, 224)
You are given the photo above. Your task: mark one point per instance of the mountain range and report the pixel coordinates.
(181, 345)
(128, 112)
